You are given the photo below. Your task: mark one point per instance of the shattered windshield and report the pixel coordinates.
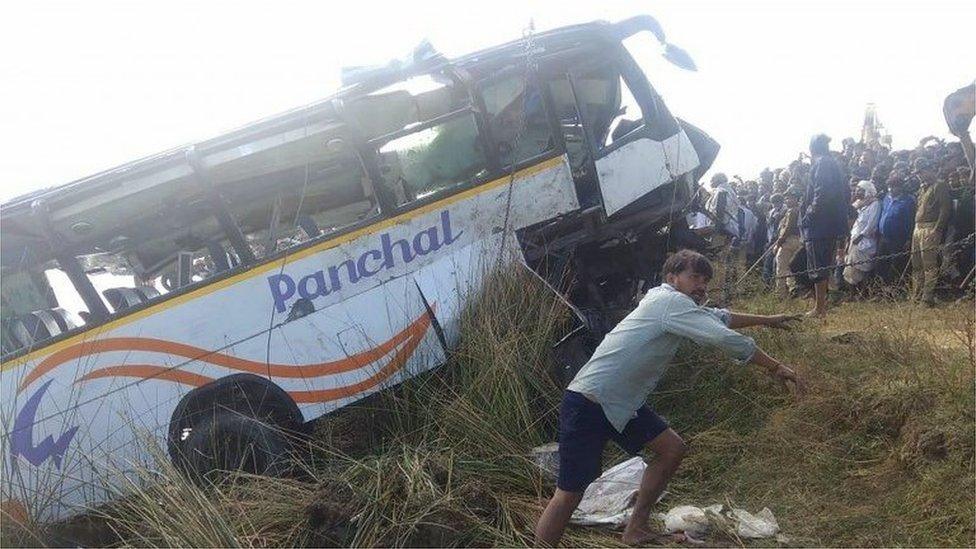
(646, 52)
(427, 161)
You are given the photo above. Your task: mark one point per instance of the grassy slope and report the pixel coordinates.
(879, 452)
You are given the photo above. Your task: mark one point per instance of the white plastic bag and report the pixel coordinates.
(700, 521)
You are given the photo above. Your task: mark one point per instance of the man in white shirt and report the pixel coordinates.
(607, 398)
(723, 206)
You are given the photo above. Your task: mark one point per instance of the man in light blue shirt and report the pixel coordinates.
(607, 398)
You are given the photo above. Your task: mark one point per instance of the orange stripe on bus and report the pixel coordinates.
(162, 373)
(395, 364)
(15, 511)
(147, 371)
(350, 363)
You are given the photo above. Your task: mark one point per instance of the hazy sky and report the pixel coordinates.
(85, 86)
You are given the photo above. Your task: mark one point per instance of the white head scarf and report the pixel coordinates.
(870, 194)
(868, 188)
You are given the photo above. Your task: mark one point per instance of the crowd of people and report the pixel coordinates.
(861, 217)
(865, 219)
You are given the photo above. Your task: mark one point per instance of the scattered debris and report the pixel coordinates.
(546, 457)
(610, 499)
(721, 519)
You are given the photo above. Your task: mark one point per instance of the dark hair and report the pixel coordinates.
(819, 144)
(684, 260)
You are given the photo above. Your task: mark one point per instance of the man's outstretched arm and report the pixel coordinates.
(702, 325)
(779, 371)
(743, 320)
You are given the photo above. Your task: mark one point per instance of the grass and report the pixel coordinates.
(879, 452)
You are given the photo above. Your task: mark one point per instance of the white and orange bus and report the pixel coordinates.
(251, 283)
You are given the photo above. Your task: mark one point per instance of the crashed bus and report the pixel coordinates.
(241, 287)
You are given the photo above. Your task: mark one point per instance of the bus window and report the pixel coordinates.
(570, 121)
(138, 256)
(628, 116)
(611, 108)
(426, 136)
(30, 309)
(315, 195)
(574, 135)
(645, 53)
(517, 116)
(66, 295)
(595, 93)
(406, 103)
(434, 159)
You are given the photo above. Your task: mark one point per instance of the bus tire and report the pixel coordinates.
(215, 409)
(228, 441)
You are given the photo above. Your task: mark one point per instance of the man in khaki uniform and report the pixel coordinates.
(931, 220)
(788, 242)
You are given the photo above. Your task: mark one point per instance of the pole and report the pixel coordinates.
(966, 280)
(758, 261)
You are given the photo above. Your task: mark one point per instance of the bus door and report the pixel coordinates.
(634, 142)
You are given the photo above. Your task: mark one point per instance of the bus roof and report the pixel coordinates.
(380, 77)
(173, 173)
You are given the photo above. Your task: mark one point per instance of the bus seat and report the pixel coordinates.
(21, 334)
(147, 292)
(219, 256)
(32, 328)
(308, 225)
(35, 327)
(66, 320)
(122, 298)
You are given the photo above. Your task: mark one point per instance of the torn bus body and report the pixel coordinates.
(281, 271)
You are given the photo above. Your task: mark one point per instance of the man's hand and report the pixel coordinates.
(783, 322)
(784, 374)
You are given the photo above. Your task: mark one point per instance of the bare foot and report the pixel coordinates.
(664, 539)
(686, 538)
(638, 536)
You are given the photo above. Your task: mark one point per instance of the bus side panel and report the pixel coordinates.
(450, 281)
(75, 433)
(345, 351)
(352, 349)
(80, 409)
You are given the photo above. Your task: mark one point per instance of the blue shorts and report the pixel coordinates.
(584, 431)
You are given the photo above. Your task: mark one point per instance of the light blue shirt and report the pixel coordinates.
(633, 357)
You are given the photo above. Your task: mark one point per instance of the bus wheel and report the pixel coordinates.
(238, 422)
(229, 441)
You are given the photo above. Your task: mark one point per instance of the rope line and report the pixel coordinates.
(529, 69)
(949, 245)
